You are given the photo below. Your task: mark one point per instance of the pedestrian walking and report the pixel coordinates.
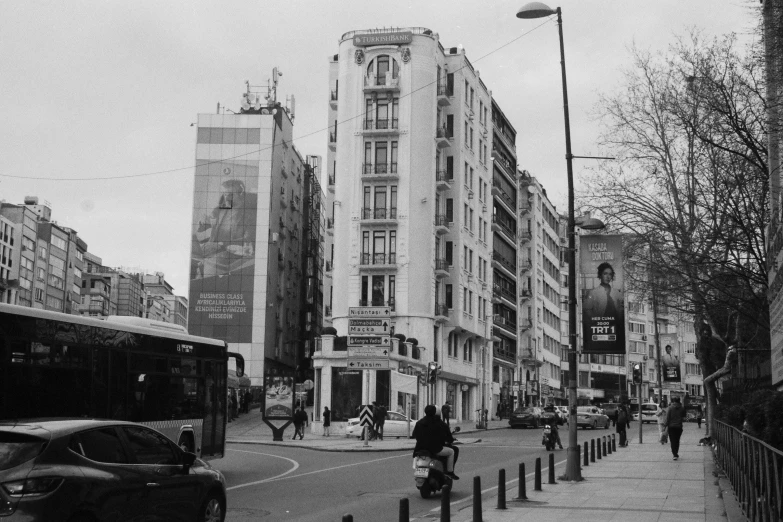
(445, 412)
(623, 423)
(675, 414)
(248, 400)
(379, 419)
(300, 419)
(698, 418)
(327, 416)
(663, 437)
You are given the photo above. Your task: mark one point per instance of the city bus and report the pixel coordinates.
(122, 368)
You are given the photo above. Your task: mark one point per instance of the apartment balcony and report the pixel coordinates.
(525, 266)
(441, 312)
(508, 325)
(524, 208)
(330, 182)
(503, 263)
(525, 294)
(528, 357)
(379, 302)
(505, 293)
(381, 127)
(442, 224)
(333, 99)
(280, 260)
(525, 325)
(444, 179)
(379, 216)
(379, 172)
(328, 267)
(524, 236)
(380, 262)
(445, 94)
(504, 197)
(444, 137)
(504, 166)
(384, 83)
(501, 226)
(441, 268)
(330, 226)
(333, 140)
(327, 311)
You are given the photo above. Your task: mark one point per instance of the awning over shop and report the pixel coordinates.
(458, 378)
(401, 382)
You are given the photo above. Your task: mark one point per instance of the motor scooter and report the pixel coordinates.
(430, 471)
(550, 438)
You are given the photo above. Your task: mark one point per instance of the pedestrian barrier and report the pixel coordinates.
(592, 450)
(598, 444)
(603, 446)
(585, 462)
(445, 505)
(404, 511)
(609, 445)
(552, 468)
(502, 489)
(522, 486)
(537, 476)
(755, 470)
(614, 444)
(477, 499)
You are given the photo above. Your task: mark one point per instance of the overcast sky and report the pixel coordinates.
(102, 89)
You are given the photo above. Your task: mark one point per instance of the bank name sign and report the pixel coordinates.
(364, 40)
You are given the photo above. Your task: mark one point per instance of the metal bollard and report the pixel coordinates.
(502, 489)
(537, 476)
(404, 511)
(552, 468)
(522, 486)
(609, 445)
(445, 505)
(614, 443)
(477, 499)
(598, 448)
(347, 518)
(586, 456)
(603, 447)
(592, 450)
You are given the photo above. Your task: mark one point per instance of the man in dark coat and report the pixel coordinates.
(300, 419)
(379, 419)
(675, 415)
(430, 434)
(445, 412)
(623, 423)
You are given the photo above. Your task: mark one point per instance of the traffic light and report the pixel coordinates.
(637, 373)
(432, 372)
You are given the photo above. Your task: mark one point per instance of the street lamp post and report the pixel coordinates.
(573, 469)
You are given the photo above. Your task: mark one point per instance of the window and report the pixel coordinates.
(634, 327)
(102, 445)
(40, 274)
(42, 252)
(149, 447)
(449, 253)
(59, 242)
(28, 243)
(449, 296)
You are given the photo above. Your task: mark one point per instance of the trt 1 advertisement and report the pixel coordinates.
(670, 358)
(603, 306)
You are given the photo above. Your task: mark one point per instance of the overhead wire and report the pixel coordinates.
(262, 149)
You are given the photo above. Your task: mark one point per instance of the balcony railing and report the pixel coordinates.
(525, 235)
(445, 90)
(386, 81)
(441, 310)
(382, 124)
(379, 168)
(329, 223)
(378, 302)
(505, 292)
(442, 220)
(505, 322)
(445, 133)
(327, 311)
(378, 259)
(505, 227)
(333, 96)
(508, 264)
(441, 264)
(379, 213)
(444, 176)
(333, 137)
(328, 266)
(331, 179)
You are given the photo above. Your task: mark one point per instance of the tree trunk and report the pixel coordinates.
(711, 390)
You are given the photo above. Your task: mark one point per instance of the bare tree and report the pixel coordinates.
(691, 188)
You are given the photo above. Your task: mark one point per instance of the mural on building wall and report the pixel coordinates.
(603, 306)
(223, 249)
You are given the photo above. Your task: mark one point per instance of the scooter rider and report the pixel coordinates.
(431, 435)
(556, 421)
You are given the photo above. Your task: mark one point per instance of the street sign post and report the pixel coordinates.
(380, 312)
(368, 364)
(368, 326)
(368, 352)
(381, 341)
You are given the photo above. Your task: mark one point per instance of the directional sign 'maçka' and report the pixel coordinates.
(368, 326)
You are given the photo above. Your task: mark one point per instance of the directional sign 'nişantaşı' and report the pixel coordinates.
(381, 312)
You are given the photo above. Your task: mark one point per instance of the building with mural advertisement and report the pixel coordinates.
(247, 237)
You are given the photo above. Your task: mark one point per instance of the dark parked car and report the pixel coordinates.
(530, 416)
(610, 410)
(94, 470)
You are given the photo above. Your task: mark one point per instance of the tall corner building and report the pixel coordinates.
(250, 239)
(414, 207)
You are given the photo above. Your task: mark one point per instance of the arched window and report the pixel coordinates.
(380, 66)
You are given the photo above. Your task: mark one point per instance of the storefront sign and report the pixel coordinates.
(365, 40)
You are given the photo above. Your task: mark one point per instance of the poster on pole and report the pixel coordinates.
(670, 358)
(603, 306)
(278, 394)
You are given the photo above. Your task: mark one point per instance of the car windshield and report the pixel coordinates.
(16, 449)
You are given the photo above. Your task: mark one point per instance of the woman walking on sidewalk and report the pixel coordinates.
(674, 417)
(661, 414)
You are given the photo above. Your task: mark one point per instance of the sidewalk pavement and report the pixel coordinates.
(639, 483)
(249, 428)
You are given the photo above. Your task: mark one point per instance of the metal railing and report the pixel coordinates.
(445, 90)
(441, 310)
(444, 176)
(379, 213)
(381, 124)
(444, 132)
(442, 220)
(379, 168)
(755, 470)
(378, 259)
(441, 264)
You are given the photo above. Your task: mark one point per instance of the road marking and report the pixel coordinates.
(284, 477)
(295, 463)
(483, 491)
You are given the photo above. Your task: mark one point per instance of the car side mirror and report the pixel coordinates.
(188, 459)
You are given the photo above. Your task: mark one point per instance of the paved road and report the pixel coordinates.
(279, 483)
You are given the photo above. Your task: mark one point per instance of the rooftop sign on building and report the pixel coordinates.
(395, 38)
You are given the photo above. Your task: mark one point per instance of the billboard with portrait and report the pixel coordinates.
(223, 249)
(670, 358)
(279, 394)
(603, 305)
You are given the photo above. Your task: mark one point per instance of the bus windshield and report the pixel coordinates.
(61, 365)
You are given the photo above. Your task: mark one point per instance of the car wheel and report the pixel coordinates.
(425, 490)
(212, 509)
